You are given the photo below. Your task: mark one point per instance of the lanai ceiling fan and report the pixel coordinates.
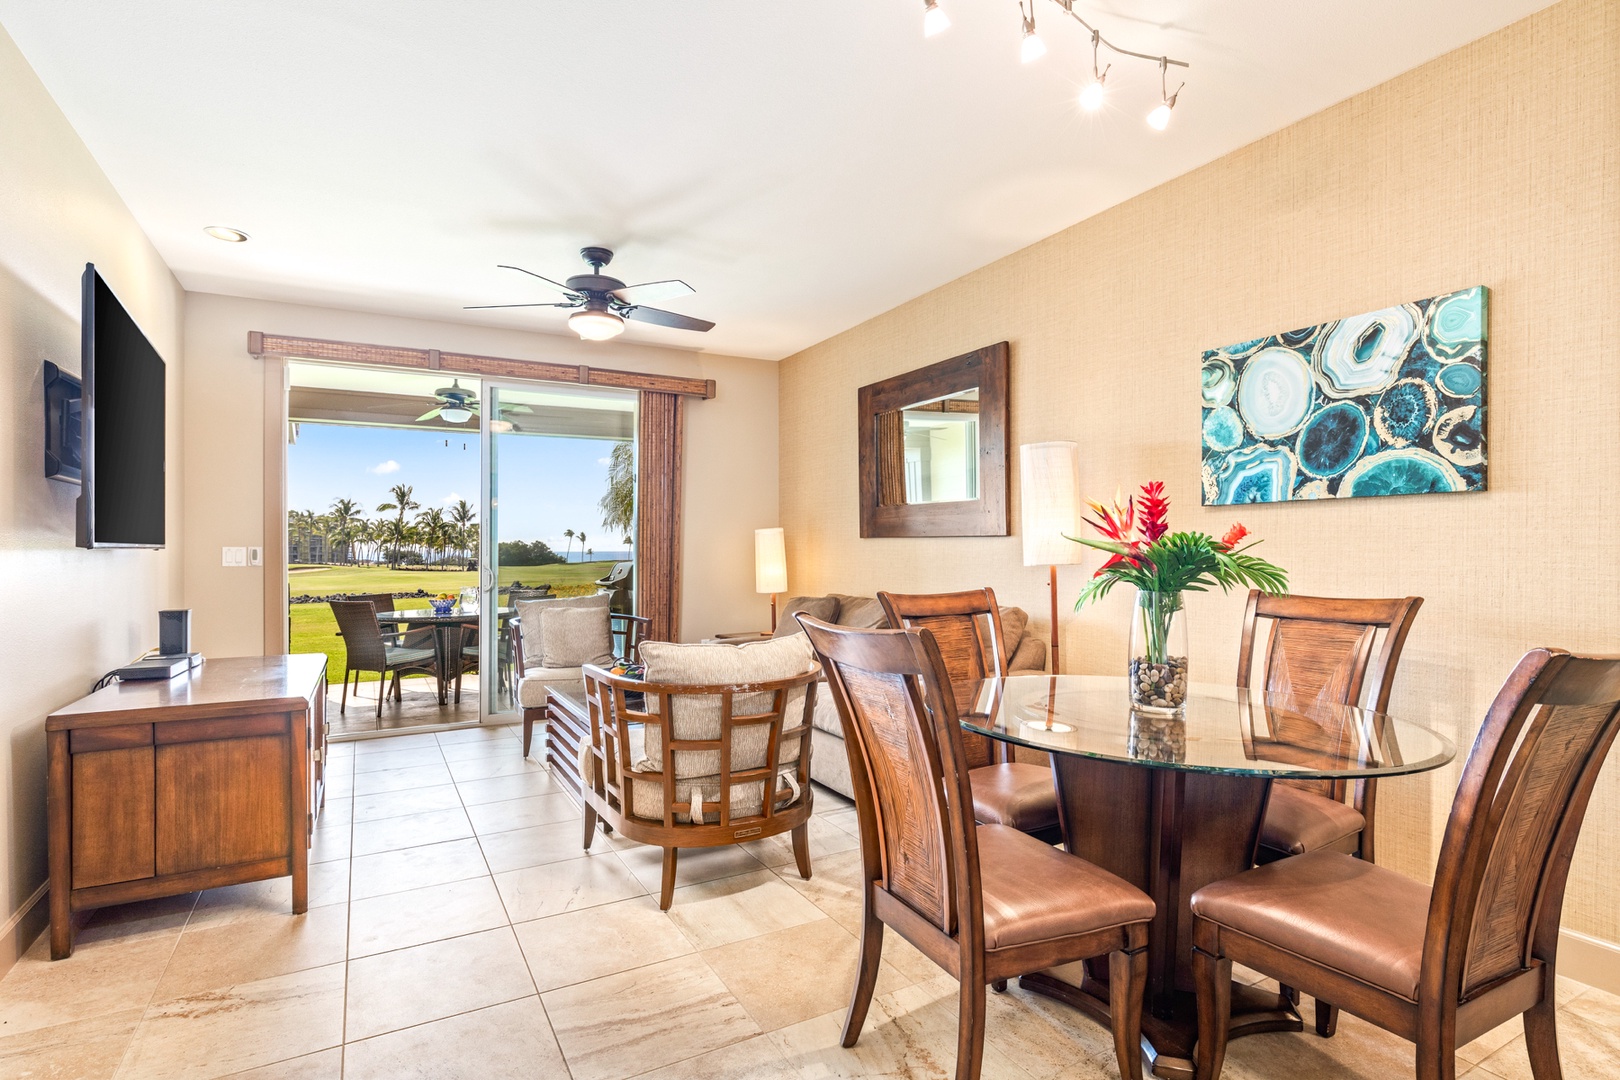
(457, 404)
(602, 303)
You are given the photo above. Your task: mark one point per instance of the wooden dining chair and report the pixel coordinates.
(967, 627)
(1326, 650)
(984, 902)
(365, 649)
(1438, 966)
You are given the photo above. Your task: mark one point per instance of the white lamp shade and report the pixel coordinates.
(770, 561)
(1049, 475)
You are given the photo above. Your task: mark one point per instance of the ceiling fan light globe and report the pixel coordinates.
(596, 325)
(501, 427)
(455, 414)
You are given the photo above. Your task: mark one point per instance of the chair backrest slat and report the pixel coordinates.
(1505, 859)
(1323, 649)
(906, 763)
(967, 628)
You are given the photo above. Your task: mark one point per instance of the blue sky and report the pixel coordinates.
(547, 483)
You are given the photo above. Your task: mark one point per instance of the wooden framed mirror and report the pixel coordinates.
(934, 449)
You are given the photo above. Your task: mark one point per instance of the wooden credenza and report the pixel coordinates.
(158, 788)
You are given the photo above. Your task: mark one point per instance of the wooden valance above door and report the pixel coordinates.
(261, 344)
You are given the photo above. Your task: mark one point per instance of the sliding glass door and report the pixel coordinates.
(558, 511)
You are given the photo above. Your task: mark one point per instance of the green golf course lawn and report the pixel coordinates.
(315, 630)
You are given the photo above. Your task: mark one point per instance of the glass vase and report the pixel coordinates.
(1158, 654)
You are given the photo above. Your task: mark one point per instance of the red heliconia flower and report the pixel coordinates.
(1115, 521)
(1234, 536)
(1155, 509)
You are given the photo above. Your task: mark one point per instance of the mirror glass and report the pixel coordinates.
(928, 452)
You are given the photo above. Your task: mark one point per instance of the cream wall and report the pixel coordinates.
(1498, 164)
(87, 611)
(730, 454)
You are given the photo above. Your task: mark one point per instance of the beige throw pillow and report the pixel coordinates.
(573, 636)
(824, 608)
(532, 616)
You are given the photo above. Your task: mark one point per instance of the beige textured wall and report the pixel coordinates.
(730, 454)
(1498, 164)
(88, 611)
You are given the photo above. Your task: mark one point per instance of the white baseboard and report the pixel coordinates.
(1590, 960)
(19, 931)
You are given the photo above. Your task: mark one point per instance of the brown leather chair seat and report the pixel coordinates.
(1034, 892)
(1297, 822)
(1337, 910)
(1015, 794)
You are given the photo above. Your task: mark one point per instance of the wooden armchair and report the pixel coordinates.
(1438, 966)
(967, 628)
(984, 902)
(1324, 649)
(682, 766)
(627, 632)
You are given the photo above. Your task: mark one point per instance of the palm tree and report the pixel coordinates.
(345, 514)
(435, 531)
(569, 550)
(402, 505)
(581, 537)
(461, 517)
(619, 504)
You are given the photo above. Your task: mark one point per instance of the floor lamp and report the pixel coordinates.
(770, 566)
(1049, 480)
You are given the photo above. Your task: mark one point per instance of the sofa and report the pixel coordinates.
(829, 763)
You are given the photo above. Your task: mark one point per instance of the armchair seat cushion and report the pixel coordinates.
(1034, 892)
(1297, 822)
(1014, 794)
(1337, 910)
(398, 656)
(532, 684)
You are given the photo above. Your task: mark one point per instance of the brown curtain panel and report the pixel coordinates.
(658, 515)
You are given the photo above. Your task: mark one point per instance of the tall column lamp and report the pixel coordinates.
(770, 566)
(1049, 480)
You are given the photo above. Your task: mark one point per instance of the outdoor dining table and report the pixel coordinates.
(1171, 804)
(443, 628)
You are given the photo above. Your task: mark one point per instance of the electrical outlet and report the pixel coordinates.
(255, 556)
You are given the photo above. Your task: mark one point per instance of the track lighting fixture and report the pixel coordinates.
(1091, 98)
(1159, 118)
(1033, 47)
(1094, 93)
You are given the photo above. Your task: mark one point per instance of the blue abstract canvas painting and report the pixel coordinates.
(1387, 403)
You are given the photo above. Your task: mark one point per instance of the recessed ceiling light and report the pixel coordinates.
(229, 235)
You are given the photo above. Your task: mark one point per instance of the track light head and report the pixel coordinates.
(935, 21)
(1033, 48)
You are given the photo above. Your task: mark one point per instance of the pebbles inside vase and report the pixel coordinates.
(1159, 686)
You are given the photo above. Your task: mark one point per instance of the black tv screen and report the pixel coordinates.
(123, 498)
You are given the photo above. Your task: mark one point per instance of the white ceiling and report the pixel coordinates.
(804, 166)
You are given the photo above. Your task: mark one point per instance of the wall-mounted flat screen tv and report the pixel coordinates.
(123, 416)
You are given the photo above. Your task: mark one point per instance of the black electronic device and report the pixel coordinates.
(155, 667)
(174, 632)
(64, 424)
(122, 460)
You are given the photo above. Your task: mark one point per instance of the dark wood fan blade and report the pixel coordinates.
(652, 292)
(559, 286)
(482, 307)
(666, 318)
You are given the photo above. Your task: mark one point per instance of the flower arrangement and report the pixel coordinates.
(1162, 565)
(1160, 561)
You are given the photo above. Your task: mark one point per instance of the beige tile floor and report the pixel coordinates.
(457, 929)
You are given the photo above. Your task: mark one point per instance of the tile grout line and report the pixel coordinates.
(134, 1034)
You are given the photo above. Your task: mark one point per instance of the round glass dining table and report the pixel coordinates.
(1172, 803)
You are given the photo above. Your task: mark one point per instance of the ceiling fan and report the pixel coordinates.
(457, 405)
(602, 303)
